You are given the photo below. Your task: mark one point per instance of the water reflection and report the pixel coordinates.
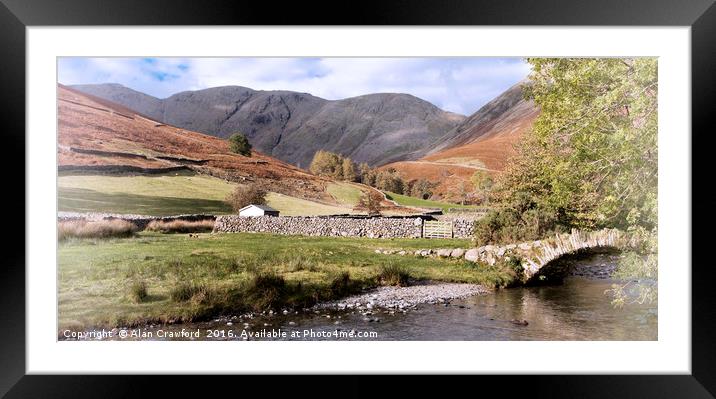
(575, 310)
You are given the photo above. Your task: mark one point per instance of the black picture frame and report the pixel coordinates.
(16, 15)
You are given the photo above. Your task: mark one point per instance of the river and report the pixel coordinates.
(577, 309)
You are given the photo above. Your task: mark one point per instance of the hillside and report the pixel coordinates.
(96, 136)
(484, 141)
(292, 126)
(112, 159)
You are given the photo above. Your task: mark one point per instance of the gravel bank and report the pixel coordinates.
(406, 297)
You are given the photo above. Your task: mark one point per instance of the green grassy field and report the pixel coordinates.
(149, 195)
(345, 193)
(167, 195)
(290, 206)
(412, 201)
(96, 276)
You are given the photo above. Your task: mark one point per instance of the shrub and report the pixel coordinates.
(95, 229)
(246, 195)
(393, 275)
(181, 226)
(511, 265)
(521, 221)
(238, 143)
(138, 291)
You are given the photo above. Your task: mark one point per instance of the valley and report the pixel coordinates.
(390, 131)
(220, 204)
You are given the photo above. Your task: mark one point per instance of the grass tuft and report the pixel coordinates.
(181, 226)
(340, 284)
(108, 228)
(183, 292)
(138, 291)
(392, 274)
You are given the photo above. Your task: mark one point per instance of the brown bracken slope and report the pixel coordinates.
(485, 141)
(97, 136)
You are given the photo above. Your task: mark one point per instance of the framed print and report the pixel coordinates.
(454, 188)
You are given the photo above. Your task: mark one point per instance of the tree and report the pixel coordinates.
(463, 192)
(591, 159)
(367, 175)
(245, 195)
(370, 202)
(389, 180)
(326, 163)
(349, 170)
(239, 144)
(482, 181)
(592, 154)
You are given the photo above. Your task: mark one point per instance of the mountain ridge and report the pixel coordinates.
(376, 128)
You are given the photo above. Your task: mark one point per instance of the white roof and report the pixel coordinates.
(262, 207)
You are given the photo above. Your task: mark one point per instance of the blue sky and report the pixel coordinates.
(459, 85)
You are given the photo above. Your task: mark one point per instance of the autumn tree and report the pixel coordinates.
(370, 202)
(245, 195)
(349, 170)
(367, 175)
(389, 180)
(326, 163)
(335, 166)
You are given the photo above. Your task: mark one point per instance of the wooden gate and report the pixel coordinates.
(437, 229)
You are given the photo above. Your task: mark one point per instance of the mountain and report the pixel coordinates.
(483, 141)
(505, 116)
(97, 136)
(292, 126)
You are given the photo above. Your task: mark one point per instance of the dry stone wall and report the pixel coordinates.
(381, 227)
(463, 228)
(533, 255)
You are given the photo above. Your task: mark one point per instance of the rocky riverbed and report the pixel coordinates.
(403, 298)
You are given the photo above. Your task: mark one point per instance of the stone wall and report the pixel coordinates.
(463, 228)
(535, 255)
(381, 227)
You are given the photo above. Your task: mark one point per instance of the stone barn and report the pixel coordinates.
(257, 210)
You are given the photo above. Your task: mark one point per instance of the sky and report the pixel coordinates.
(460, 85)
